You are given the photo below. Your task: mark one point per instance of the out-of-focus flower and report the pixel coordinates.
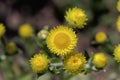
(39, 63)
(118, 24)
(118, 5)
(76, 17)
(25, 31)
(11, 48)
(74, 63)
(2, 29)
(99, 60)
(117, 53)
(42, 34)
(100, 37)
(61, 40)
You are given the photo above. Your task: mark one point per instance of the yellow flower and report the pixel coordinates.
(117, 53)
(76, 17)
(61, 40)
(39, 63)
(100, 37)
(11, 48)
(118, 5)
(25, 31)
(118, 23)
(74, 63)
(2, 30)
(99, 60)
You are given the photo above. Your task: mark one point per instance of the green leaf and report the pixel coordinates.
(56, 65)
(25, 77)
(86, 55)
(46, 76)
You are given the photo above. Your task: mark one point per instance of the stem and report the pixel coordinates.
(61, 77)
(6, 66)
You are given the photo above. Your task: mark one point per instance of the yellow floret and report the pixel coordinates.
(118, 5)
(61, 40)
(2, 30)
(11, 48)
(76, 17)
(100, 37)
(117, 53)
(99, 60)
(118, 24)
(39, 63)
(25, 31)
(74, 63)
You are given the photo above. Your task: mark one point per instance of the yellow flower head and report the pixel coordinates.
(76, 17)
(25, 31)
(99, 60)
(39, 63)
(118, 5)
(74, 63)
(118, 24)
(2, 30)
(117, 53)
(100, 37)
(11, 48)
(61, 40)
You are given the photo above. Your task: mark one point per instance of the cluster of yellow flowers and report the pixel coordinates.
(61, 41)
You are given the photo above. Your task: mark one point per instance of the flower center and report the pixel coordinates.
(61, 40)
(75, 62)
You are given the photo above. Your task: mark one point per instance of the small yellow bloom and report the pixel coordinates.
(39, 63)
(76, 17)
(2, 30)
(61, 40)
(11, 48)
(118, 5)
(100, 60)
(118, 24)
(25, 31)
(100, 37)
(74, 63)
(117, 53)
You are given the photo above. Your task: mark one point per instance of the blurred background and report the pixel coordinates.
(101, 14)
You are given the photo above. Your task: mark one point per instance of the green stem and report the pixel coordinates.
(6, 66)
(9, 63)
(2, 43)
(61, 77)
